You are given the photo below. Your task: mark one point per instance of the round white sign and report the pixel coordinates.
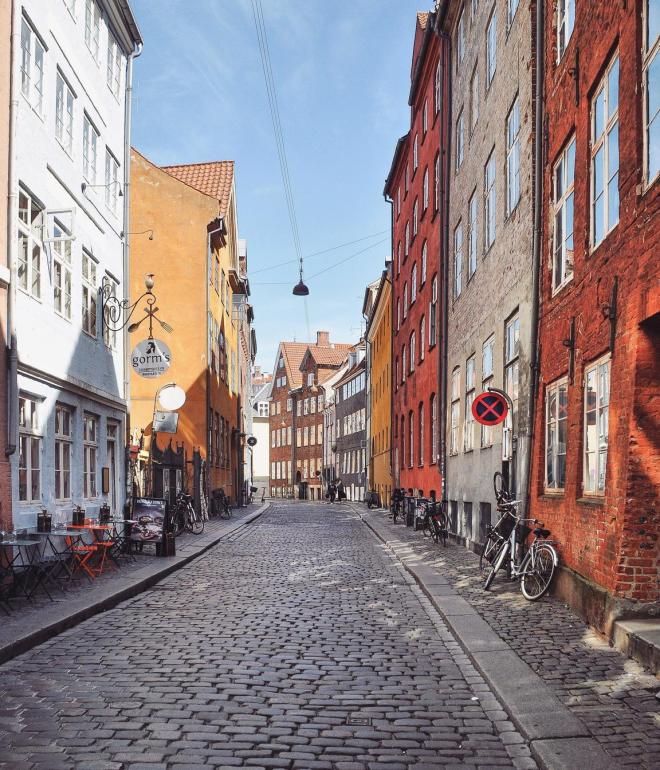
(151, 358)
(172, 397)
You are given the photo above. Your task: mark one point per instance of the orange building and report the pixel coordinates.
(184, 231)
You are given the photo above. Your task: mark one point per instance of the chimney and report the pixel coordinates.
(323, 339)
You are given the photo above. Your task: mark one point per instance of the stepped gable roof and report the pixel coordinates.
(422, 18)
(214, 179)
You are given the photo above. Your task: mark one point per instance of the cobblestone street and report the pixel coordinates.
(298, 642)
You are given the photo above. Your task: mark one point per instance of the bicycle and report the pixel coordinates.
(185, 517)
(435, 523)
(225, 508)
(396, 506)
(537, 565)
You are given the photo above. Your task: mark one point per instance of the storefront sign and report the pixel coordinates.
(150, 516)
(151, 358)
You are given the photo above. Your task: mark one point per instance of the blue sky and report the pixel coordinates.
(342, 72)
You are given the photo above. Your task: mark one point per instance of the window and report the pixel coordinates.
(92, 27)
(433, 309)
(398, 201)
(651, 81)
(491, 49)
(490, 201)
(436, 184)
(415, 217)
(459, 140)
(71, 7)
(407, 241)
(562, 252)
(310, 379)
(425, 117)
(289, 404)
(411, 436)
(63, 439)
(32, 66)
(468, 428)
(422, 338)
(511, 350)
(29, 454)
(30, 218)
(474, 8)
(424, 259)
(487, 376)
(398, 258)
(415, 153)
(412, 353)
(398, 314)
(512, 7)
(438, 88)
(605, 154)
(455, 410)
(405, 299)
(413, 284)
(460, 38)
(474, 98)
(458, 259)
(405, 181)
(90, 140)
(112, 183)
(64, 113)
(472, 235)
(90, 458)
(425, 190)
(513, 157)
(434, 428)
(88, 294)
(114, 65)
(565, 22)
(596, 425)
(420, 435)
(403, 364)
(306, 436)
(556, 422)
(306, 406)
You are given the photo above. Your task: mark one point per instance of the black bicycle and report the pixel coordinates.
(184, 516)
(435, 522)
(396, 507)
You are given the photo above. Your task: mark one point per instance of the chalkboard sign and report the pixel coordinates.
(150, 516)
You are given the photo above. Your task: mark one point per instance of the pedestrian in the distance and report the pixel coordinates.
(341, 495)
(332, 492)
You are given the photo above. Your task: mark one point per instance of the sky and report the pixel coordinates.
(342, 74)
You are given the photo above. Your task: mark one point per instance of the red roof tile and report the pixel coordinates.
(214, 179)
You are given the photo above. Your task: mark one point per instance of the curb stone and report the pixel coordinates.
(118, 590)
(557, 738)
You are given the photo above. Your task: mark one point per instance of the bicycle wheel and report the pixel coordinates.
(500, 487)
(488, 551)
(177, 523)
(197, 525)
(542, 563)
(497, 563)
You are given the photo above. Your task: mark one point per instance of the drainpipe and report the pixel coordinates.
(209, 257)
(526, 476)
(393, 327)
(128, 95)
(12, 215)
(445, 145)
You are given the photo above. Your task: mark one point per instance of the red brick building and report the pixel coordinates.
(296, 415)
(414, 188)
(596, 469)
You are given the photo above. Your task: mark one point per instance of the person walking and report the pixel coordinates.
(341, 494)
(332, 491)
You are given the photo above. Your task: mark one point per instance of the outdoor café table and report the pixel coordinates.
(25, 561)
(63, 555)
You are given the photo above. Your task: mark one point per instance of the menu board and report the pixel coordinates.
(150, 515)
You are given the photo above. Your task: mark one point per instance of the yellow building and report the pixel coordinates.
(377, 310)
(184, 231)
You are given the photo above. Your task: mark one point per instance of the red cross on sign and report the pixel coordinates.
(489, 408)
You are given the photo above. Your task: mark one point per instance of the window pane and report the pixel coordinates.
(599, 115)
(613, 89)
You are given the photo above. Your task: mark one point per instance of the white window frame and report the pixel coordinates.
(405, 300)
(468, 424)
(474, 98)
(112, 184)
(64, 109)
(490, 201)
(425, 190)
(415, 153)
(415, 218)
(434, 428)
(33, 53)
(563, 189)
(89, 291)
(30, 440)
(90, 455)
(460, 140)
(425, 117)
(487, 369)
(433, 312)
(63, 451)
(458, 260)
(413, 284)
(424, 261)
(455, 410)
(93, 28)
(491, 48)
(438, 87)
(90, 149)
(406, 243)
(114, 65)
(411, 351)
(472, 234)
(650, 59)
(553, 449)
(30, 248)
(422, 337)
(460, 37)
(513, 157)
(601, 144)
(601, 413)
(565, 24)
(436, 184)
(61, 252)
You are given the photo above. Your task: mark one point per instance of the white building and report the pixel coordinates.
(330, 458)
(261, 431)
(69, 141)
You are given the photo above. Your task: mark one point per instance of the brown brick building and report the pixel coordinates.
(296, 415)
(596, 468)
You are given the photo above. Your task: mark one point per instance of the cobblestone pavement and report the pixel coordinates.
(297, 643)
(613, 695)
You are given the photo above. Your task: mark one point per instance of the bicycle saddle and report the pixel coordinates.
(541, 532)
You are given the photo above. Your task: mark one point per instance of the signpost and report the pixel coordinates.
(490, 408)
(251, 441)
(151, 358)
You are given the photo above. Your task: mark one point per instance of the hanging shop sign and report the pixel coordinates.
(489, 408)
(165, 422)
(151, 358)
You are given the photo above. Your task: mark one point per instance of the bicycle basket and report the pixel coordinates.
(505, 526)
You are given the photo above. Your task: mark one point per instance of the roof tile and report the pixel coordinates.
(214, 179)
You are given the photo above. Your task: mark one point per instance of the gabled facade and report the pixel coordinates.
(596, 471)
(351, 423)
(68, 196)
(414, 187)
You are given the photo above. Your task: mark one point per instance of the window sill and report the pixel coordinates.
(593, 249)
(552, 494)
(561, 287)
(591, 500)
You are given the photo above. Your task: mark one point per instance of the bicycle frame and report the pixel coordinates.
(527, 564)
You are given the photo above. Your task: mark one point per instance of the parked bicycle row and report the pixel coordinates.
(517, 545)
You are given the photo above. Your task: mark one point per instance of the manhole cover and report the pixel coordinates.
(362, 721)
